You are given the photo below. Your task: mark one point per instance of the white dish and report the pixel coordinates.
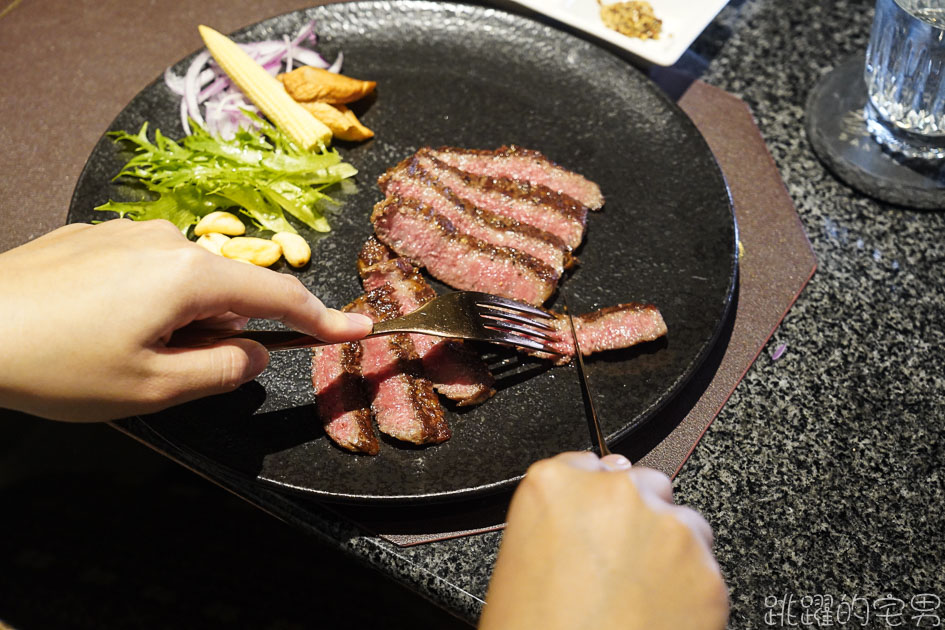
(683, 21)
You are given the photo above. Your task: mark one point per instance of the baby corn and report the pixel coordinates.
(266, 92)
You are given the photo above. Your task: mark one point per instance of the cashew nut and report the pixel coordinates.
(221, 222)
(296, 251)
(259, 251)
(213, 242)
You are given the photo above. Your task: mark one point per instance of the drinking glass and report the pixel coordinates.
(905, 77)
(879, 122)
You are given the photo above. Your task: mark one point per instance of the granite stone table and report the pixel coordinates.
(822, 475)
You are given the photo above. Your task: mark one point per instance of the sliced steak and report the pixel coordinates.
(528, 203)
(404, 403)
(610, 328)
(414, 178)
(373, 252)
(456, 371)
(342, 403)
(460, 260)
(527, 165)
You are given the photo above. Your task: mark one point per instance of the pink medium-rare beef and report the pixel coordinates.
(415, 178)
(619, 326)
(610, 328)
(459, 260)
(456, 371)
(527, 203)
(528, 165)
(404, 403)
(342, 404)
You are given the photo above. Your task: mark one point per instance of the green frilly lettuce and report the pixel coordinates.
(260, 174)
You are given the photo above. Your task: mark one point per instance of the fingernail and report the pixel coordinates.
(616, 461)
(259, 361)
(359, 320)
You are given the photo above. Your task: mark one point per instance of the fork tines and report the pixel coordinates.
(505, 317)
(488, 299)
(516, 324)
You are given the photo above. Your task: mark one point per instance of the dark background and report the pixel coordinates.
(99, 531)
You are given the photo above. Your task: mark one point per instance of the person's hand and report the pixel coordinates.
(86, 311)
(593, 543)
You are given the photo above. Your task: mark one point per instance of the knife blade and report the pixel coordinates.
(592, 422)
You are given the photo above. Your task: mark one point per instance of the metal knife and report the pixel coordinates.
(592, 421)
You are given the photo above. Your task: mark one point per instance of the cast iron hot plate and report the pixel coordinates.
(476, 77)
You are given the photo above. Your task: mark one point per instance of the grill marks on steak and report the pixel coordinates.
(503, 222)
(393, 366)
(518, 199)
(460, 260)
(343, 405)
(527, 165)
(387, 375)
(610, 328)
(456, 371)
(415, 178)
(495, 229)
(404, 403)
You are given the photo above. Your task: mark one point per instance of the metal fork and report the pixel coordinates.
(460, 315)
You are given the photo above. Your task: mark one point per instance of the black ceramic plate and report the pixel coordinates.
(476, 77)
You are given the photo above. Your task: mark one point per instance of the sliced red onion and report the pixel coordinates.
(308, 57)
(306, 32)
(272, 67)
(174, 81)
(336, 67)
(225, 114)
(221, 84)
(205, 84)
(184, 119)
(288, 53)
(267, 56)
(191, 86)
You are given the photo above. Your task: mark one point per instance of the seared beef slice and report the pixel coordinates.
(526, 165)
(460, 260)
(415, 178)
(528, 203)
(456, 371)
(342, 403)
(404, 403)
(610, 328)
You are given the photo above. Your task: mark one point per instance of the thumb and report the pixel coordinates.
(191, 373)
(615, 461)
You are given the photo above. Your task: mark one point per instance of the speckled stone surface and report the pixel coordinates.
(823, 474)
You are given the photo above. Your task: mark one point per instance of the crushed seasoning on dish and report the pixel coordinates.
(633, 19)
